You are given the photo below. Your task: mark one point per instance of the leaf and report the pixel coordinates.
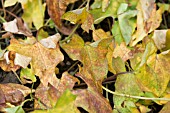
(100, 34)
(117, 33)
(27, 74)
(44, 60)
(80, 16)
(13, 2)
(94, 62)
(17, 109)
(111, 11)
(65, 103)
(165, 6)
(17, 26)
(92, 101)
(7, 63)
(123, 18)
(13, 93)
(161, 39)
(21, 60)
(118, 65)
(154, 77)
(91, 98)
(122, 51)
(99, 3)
(50, 95)
(166, 108)
(126, 84)
(34, 12)
(51, 41)
(10, 3)
(148, 19)
(74, 47)
(56, 8)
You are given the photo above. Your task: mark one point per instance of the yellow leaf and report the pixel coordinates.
(44, 60)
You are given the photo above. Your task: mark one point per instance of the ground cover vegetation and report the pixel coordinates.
(79, 56)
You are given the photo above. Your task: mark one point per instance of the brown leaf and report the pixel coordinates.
(44, 60)
(13, 93)
(122, 51)
(7, 64)
(92, 101)
(56, 8)
(49, 95)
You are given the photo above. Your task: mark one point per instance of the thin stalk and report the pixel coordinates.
(69, 37)
(136, 97)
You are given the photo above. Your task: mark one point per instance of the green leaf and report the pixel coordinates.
(28, 74)
(34, 12)
(126, 84)
(117, 32)
(17, 109)
(65, 103)
(123, 18)
(118, 65)
(111, 11)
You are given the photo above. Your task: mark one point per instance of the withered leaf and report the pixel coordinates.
(80, 16)
(148, 19)
(91, 98)
(17, 26)
(56, 8)
(13, 93)
(44, 60)
(49, 95)
(7, 63)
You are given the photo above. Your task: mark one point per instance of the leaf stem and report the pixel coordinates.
(68, 38)
(136, 97)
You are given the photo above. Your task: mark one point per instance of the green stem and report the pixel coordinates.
(69, 37)
(136, 97)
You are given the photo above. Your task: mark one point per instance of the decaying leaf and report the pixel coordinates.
(154, 77)
(80, 16)
(7, 63)
(50, 95)
(148, 19)
(166, 108)
(56, 8)
(123, 52)
(65, 103)
(124, 85)
(100, 34)
(161, 38)
(44, 60)
(74, 47)
(17, 26)
(13, 93)
(92, 101)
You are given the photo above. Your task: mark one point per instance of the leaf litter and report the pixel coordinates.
(133, 55)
